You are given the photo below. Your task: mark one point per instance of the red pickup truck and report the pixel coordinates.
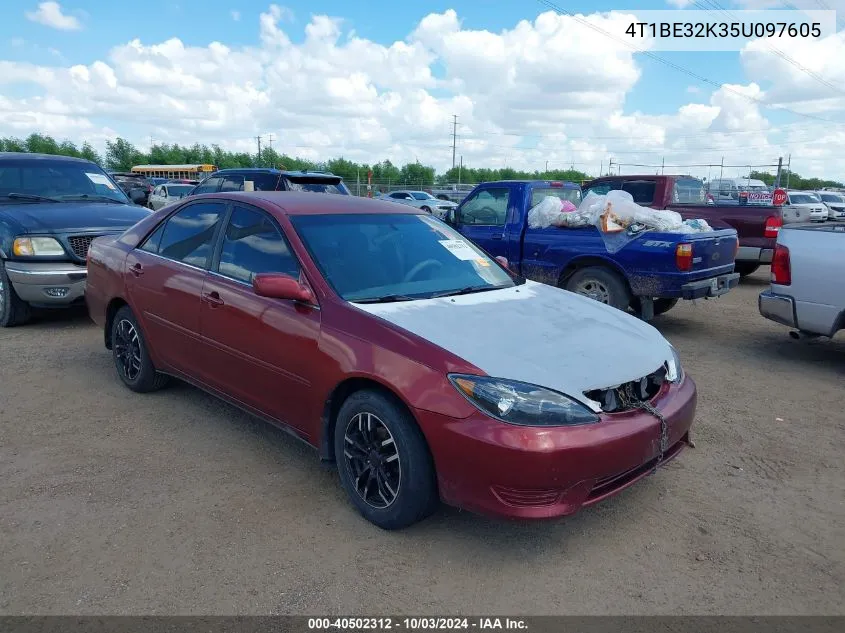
(757, 226)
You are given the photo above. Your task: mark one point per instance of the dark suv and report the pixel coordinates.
(129, 181)
(266, 179)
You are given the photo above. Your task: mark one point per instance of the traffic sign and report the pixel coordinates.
(779, 197)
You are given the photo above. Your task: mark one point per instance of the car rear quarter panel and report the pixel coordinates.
(817, 269)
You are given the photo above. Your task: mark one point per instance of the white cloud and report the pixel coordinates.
(236, 15)
(50, 14)
(551, 89)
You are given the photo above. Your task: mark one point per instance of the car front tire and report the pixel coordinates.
(131, 358)
(383, 461)
(13, 310)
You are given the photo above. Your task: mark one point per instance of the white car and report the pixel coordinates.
(421, 200)
(809, 201)
(835, 203)
(166, 194)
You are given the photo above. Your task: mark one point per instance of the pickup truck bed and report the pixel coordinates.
(756, 225)
(808, 279)
(646, 274)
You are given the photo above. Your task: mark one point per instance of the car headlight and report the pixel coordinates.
(521, 403)
(37, 246)
(674, 369)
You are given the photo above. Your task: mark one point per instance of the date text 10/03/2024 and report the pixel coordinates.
(416, 624)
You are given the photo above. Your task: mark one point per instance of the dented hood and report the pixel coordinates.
(537, 334)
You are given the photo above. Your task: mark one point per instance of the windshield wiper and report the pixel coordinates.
(465, 291)
(384, 299)
(85, 196)
(30, 196)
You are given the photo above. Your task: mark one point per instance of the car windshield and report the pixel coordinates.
(802, 198)
(56, 179)
(384, 257)
(178, 190)
(831, 197)
(572, 195)
(422, 195)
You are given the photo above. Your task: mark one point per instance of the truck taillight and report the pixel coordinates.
(683, 256)
(736, 248)
(773, 224)
(781, 273)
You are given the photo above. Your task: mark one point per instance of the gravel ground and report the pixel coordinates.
(113, 502)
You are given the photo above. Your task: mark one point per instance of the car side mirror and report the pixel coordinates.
(281, 286)
(136, 195)
(451, 217)
(503, 261)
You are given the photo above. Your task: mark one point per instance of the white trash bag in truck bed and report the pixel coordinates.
(552, 211)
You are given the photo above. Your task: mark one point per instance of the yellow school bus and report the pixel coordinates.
(192, 172)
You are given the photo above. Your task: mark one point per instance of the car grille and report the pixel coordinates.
(626, 396)
(80, 244)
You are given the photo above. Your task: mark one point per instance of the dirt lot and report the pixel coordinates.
(112, 502)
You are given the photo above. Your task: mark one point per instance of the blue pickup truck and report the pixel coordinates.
(649, 275)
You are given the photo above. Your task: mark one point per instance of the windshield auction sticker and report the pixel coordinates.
(692, 30)
(460, 249)
(99, 179)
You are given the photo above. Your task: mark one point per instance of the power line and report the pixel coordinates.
(682, 69)
(778, 52)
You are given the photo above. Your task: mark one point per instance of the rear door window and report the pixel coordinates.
(188, 236)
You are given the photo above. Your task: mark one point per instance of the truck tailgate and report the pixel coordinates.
(712, 252)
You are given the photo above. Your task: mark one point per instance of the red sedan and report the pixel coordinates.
(425, 369)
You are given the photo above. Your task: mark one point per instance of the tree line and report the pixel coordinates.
(795, 181)
(121, 155)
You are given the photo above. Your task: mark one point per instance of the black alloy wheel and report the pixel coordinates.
(372, 460)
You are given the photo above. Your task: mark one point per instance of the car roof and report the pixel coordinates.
(272, 170)
(34, 156)
(565, 184)
(312, 203)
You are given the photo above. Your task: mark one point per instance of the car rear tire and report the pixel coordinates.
(383, 461)
(600, 284)
(131, 358)
(426, 209)
(662, 306)
(746, 268)
(13, 310)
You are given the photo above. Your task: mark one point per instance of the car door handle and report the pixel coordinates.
(497, 237)
(137, 270)
(213, 299)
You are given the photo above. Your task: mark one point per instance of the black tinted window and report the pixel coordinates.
(253, 244)
(208, 185)
(189, 234)
(642, 191)
(233, 183)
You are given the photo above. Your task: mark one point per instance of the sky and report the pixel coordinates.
(371, 80)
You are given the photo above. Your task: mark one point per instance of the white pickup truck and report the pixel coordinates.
(808, 280)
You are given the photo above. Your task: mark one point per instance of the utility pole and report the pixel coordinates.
(454, 137)
(547, 167)
(721, 170)
(780, 168)
(610, 167)
(258, 139)
(662, 165)
(788, 168)
(460, 169)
